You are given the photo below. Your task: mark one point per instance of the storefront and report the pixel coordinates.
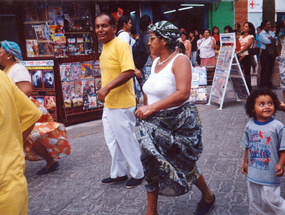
(61, 51)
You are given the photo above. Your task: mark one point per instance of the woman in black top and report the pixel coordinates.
(193, 41)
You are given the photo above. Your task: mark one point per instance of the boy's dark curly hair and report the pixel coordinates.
(250, 102)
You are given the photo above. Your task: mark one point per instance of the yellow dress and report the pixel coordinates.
(17, 114)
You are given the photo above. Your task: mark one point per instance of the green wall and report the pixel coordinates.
(221, 14)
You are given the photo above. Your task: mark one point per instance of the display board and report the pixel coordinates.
(43, 83)
(227, 68)
(199, 85)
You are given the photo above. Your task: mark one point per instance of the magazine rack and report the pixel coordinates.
(34, 19)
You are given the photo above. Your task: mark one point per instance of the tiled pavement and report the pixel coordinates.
(76, 188)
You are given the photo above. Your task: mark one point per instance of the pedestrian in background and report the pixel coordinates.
(237, 27)
(123, 33)
(199, 42)
(267, 56)
(207, 49)
(170, 131)
(246, 42)
(117, 92)
(17, 118)
(258, 30)
(228, 29)
(281, 58)
(145, 70)
(264, 159)
(193, 41)
(187, 44)
(216, 33)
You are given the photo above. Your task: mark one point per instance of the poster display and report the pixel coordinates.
(198, 95)
(80, 84)
(224, 59)
(218, 88)
(43, 83)
(198, 92)
(199, 76)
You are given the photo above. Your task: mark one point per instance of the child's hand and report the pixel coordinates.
(279, 168)
(244, 168)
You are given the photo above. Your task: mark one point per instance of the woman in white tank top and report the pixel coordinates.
(170, 132)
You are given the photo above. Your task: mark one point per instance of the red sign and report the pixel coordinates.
(252, 4)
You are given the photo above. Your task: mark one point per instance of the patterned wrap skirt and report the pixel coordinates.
(171, 143)
(50, 134)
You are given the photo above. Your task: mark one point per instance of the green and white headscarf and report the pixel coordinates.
(167, 30)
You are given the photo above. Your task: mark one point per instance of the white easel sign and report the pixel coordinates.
(225, 71)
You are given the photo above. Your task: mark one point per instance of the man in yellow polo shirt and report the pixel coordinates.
(117, 70)
(17, 117)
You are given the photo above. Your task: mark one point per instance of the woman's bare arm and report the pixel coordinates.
(25, 87)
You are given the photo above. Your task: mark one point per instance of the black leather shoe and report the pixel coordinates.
(114, 180)
(133, 182)
(52, 168)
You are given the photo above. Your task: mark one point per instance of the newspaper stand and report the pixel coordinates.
(228, 68)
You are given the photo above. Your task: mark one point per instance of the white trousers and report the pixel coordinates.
(119, 131)
(265, 200)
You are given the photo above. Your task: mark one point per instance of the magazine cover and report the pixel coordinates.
(73, 95)
(66, 91)
(86, 70)
(40, 32)
(88, 86)
(92, 101)
(32, 48)
(78, 93)
(198, 94)
(80, 49)
(85, 102)
(64, 71)
(88, 43)
(55, 14)
(71, 39)
(98, 84)
(96, 69)
(60, 51)
(37, 80)
(40, 99)
(80, 39)
(199, 76)
(48, 80)
(50, 104)
(30, 32)
(76, 71)
(45, 49)
(72, 49)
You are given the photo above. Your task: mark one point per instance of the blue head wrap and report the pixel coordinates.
(12, 48)
(283, 18)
